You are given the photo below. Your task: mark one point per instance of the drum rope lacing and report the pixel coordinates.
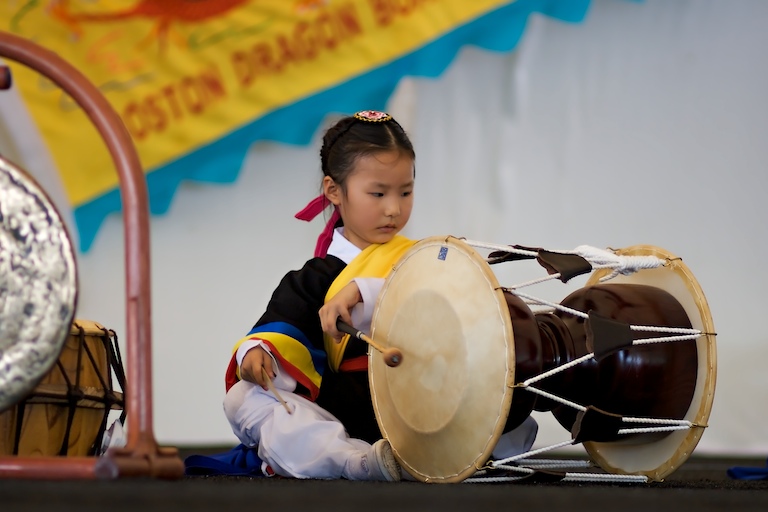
(598, 259)
(686, 334)
(568, 477)
(671, 425)
(531, 466)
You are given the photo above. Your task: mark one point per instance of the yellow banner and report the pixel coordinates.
(183, 73)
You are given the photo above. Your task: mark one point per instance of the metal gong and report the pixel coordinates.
(38, 284)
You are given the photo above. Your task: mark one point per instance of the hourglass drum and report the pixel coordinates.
(625, 364)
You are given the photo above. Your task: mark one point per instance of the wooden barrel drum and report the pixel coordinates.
(68, 411)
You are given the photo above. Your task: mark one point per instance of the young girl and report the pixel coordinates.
(327, 427)
(296, 387)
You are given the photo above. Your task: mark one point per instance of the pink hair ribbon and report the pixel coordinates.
(312, 210)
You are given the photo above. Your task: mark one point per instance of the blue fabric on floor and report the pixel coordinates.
(239, 461)
(748, 473)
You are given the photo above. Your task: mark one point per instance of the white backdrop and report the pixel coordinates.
(645, 124)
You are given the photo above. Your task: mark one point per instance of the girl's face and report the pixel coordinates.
(378, 199)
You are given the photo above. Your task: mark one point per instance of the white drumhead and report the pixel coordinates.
(444, 407)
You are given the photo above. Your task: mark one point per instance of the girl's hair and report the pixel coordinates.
(362, 134)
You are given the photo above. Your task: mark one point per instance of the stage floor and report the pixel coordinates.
(700, 484)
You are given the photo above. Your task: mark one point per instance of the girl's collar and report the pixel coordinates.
(342, 248)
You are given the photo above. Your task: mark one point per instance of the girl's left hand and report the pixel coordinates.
(338, 307)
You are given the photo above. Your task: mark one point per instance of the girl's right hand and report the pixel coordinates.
(254, 361)
(338, 307)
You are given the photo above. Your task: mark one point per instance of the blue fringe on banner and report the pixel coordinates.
(220, 161)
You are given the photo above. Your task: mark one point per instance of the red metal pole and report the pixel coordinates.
(141, 441)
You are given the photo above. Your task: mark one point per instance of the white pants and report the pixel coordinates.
(516, 441)
(311, 442)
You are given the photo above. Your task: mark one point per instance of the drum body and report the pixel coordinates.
(470, 348)
(67, 412)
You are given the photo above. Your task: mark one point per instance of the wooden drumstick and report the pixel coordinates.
(392, 356)
(273, 389)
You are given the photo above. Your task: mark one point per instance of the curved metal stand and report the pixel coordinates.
(141, 456)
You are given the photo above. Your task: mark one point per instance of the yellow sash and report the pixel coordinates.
(376, 260)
